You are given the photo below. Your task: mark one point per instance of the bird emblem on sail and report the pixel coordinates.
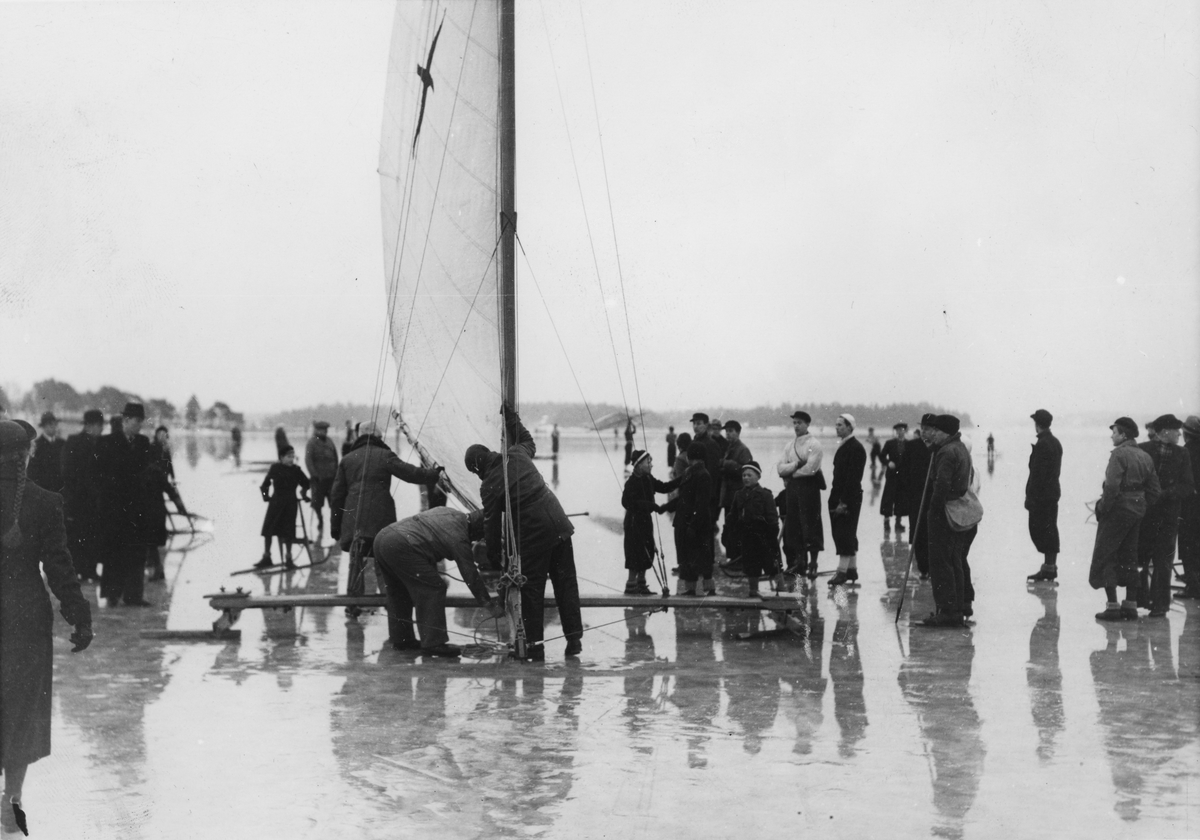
(426, 80)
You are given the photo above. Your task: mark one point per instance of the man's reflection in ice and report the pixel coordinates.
(808, 685)
(1043, 674)
(193, 450)
(697, 689)
(640, 702)
(754, 705)
(1148, 716)
(934, 679)
(845, 672)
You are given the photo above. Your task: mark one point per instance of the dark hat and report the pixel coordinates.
(15, 438)
(801, 415)
(947, 423)
(696, 450)
(700, 416)
(733, 424)
(1126, 425)
(283, 450)
(900, 425)
(928, 420)
(476, 452)
(1192, 425)
(1042, 417)
(636, 456)
(475, 525)
(93, 416)
(1167, 422)
(752, 465)
(134, 411)
(47, 418)
(320, 424)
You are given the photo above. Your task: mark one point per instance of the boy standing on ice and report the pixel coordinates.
(756, 520)
(638, 501)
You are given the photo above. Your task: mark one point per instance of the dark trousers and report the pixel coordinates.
(1114, 557)
(559, 567)
(1156, 558)
(412, 583)
(730, 537)
(802, 528)
(759, 554)
(694, 552)
(946, 550)
(124, 576)
(85, 555)
(1043, 527)
(1189, 541)
(845, 528)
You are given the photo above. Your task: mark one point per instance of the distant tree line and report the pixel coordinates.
(62, 399)
(336, 414)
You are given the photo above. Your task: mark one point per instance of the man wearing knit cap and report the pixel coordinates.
(950, 480)
(1042, 492)
(1129, 481)
(756, 522)
(638, 500)
(845, 499)
(1189, 515)
(800, 469)
(1160, 525)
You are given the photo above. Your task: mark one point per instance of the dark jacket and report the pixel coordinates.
(638, 501)
(736, 456)
(914, 467)
(1045, 464)
(127, 508)
(1130, 483)
(280, 519)
(540, 523)
(849, 462)
(160, 454)
(81, 485)
(361, 499)
(321, 457)
(1176, 482)
(951, 475)
(756, 514)
(45, 467)
(693, 505)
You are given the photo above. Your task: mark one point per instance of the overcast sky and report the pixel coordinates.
(993, 206)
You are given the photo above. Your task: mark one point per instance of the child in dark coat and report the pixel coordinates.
(756, 518)
(280, 521)
(638, 501)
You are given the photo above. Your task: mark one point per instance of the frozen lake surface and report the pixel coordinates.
(1038, 721)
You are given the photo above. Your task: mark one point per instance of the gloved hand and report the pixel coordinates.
(82, 637)
(266, 496)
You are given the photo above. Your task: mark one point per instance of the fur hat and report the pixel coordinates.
(947, 423)
(476, 452)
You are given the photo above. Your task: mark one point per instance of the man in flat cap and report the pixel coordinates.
(1189, 515)
(845, 499)
(1129, 482)
(1042, 492)
(81, 495)
(892, 503)
(1160, 525)
(947, 547)
(361, 503)
(800, 469)
(321, 460)
(45, 465)
(129, 527)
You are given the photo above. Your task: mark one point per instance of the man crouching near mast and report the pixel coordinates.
(542, 530)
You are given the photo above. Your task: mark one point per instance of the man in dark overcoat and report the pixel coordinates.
(361, 500)
(45, 467)
(540, 528)
(81, 495)
(892, 503)
(947, 547)
(1042, 492)
(1189, 515)
(1160, 525)
(845, 499)
(127, 510)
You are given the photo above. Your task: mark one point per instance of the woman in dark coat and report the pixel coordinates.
(32, 538)
(638, 501)
(282, 506)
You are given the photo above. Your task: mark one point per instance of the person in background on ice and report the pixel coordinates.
(893, 499)
(991, 444)
(45, 467)
(407, 554)
(1160, 525)
(542, 530)
(554, 434)
(280, 520)
(81, 496)
(800, 469)
(351, 436)
(756, 520)
(156, 488)
(693, 525)
(874, 447)
(1042, 492)
(1129, 485)
(845, 499)
(122, 459)
(160, 452)
(321, 460)
(671, 451)
(281, 440)
(736, 456)
(638, 501)
(33, 542)
(950, 480)
(630, 430)
(1189, 515)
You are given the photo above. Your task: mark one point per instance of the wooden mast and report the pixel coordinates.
(508, 211)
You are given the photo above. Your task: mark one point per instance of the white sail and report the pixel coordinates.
(441, 226)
